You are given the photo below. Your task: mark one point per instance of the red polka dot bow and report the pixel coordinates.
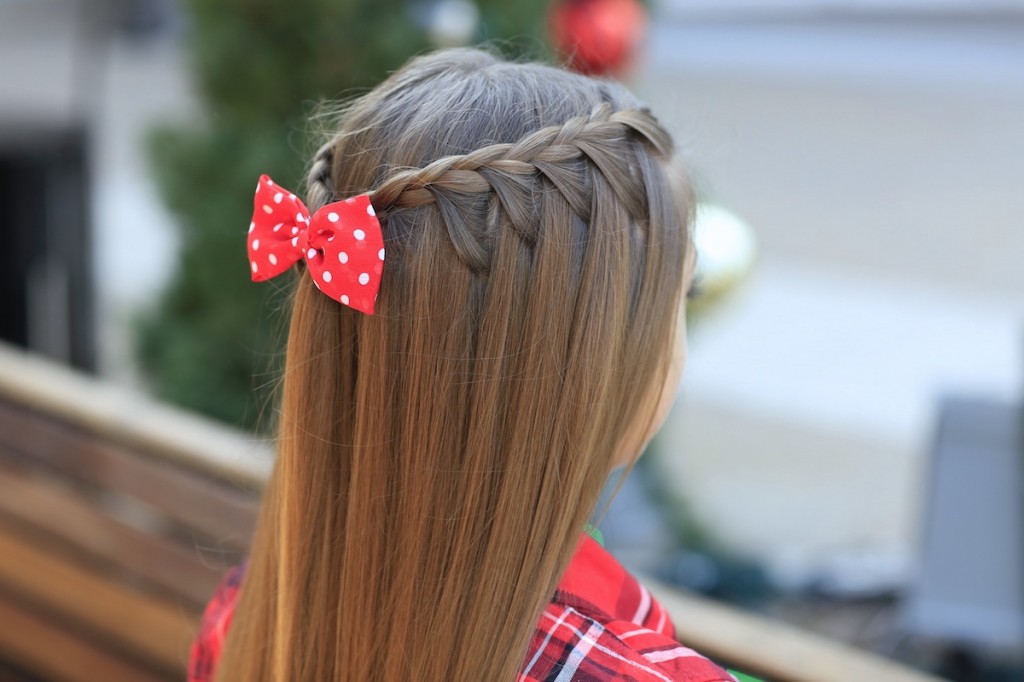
(342, 243)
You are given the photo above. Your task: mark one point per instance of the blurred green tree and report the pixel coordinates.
(211, 343)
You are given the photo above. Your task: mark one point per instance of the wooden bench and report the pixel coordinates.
(118, 516)
(117, 519)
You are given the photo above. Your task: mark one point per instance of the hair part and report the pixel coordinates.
(438, 460)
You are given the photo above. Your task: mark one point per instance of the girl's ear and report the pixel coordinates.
(662, 396)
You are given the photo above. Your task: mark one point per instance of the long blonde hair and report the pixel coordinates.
(438, 460)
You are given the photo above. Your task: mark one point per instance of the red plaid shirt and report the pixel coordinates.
(601, 625)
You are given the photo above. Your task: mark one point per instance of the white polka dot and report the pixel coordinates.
(332, 216)
(295, 230)
(299, 218)
(269, 181)
(267, 209)
(350, 200)
(380, 254)
(295, 241)
(278, 197)
(359, 234)
(290, 195)
(344, 299)
(364, 278)
(369, 210)
(255, 244)
(254, 266)
(310, 253)
(252, 226)
(327, 275)
(273, 259)
(278, 226)
(343, 257)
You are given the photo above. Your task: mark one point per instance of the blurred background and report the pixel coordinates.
(845, 454)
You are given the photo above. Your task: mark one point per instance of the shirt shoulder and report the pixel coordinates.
(572, 645)
(213, 626)
(603, 624)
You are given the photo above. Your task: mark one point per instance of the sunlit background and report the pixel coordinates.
(845, 453)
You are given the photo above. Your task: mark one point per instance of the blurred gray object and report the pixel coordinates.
(970, 582)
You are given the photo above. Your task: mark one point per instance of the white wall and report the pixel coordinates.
(66, 67)
(878, 165)
(726, 8)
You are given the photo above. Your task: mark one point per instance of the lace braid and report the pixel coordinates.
(319, 182)
(599, 137)
(509, 172)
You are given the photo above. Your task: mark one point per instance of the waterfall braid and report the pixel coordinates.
(437, 460)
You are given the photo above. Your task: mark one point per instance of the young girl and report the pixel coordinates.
(487, 321)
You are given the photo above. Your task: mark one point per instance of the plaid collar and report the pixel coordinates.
(598, 585)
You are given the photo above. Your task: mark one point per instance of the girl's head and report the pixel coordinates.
(438, 459)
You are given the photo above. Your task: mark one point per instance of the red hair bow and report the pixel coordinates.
(342, 243)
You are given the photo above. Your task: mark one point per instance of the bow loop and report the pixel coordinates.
(342, 243)
(278, 231)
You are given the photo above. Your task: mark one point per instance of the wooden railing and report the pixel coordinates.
(118, 516)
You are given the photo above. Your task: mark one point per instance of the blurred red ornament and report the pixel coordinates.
(598, 37)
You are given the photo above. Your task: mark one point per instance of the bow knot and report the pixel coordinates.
(342, 243)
